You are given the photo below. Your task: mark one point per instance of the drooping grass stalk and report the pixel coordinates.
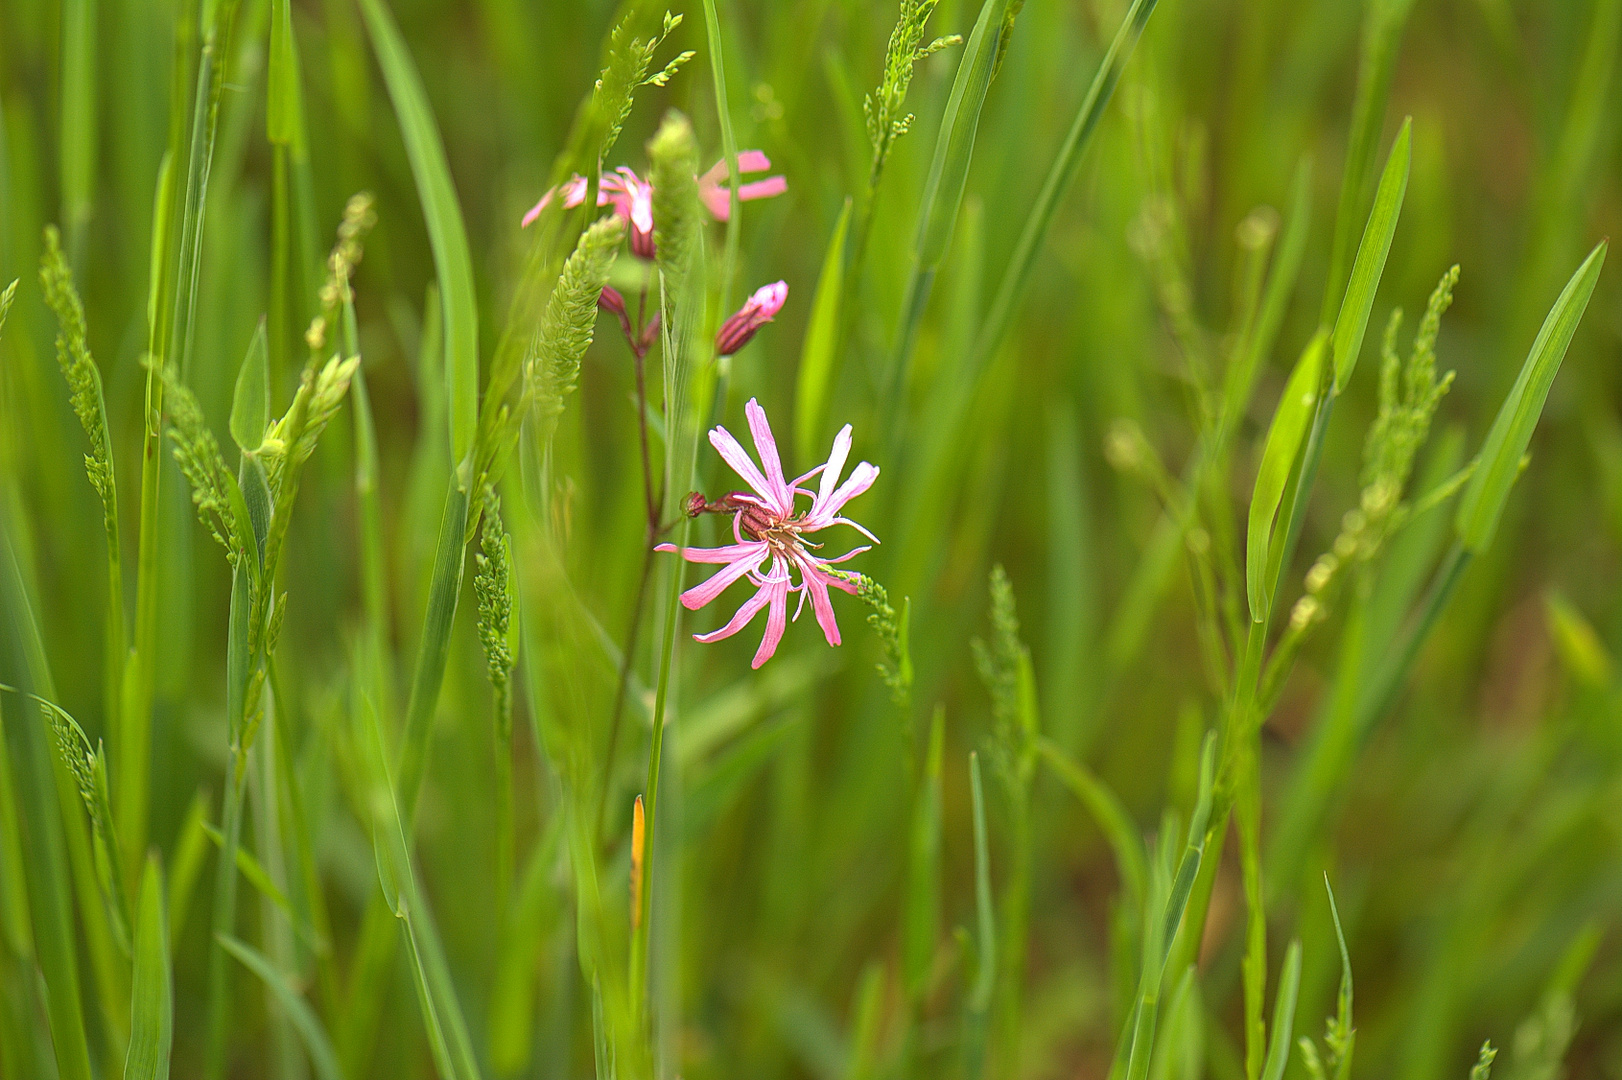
(84, 381)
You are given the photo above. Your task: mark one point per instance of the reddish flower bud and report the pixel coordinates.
(696, 504)
(756, 312)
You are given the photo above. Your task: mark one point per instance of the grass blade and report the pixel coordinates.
(943, 189)
(78, 143)
(1499, 462)
(821, 339)
(151, 992)
(1382, 34)
(434, 650)
(46, 871)
(1289, 987)
(453, 264)
(1353, 319)
(1295, 411)
(1060, 176)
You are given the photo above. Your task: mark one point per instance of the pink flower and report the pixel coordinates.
(756, 312)
(712, 186)
(632, 196)
(770, 532)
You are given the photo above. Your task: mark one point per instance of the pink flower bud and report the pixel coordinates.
(756, 312)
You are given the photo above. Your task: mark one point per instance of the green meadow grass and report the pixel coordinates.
(1232, 694)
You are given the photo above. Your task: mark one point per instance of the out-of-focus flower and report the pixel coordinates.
(712, 186)
(632, 197)
(770, 533)
(756, 312)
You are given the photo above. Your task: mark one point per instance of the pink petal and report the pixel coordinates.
(831, 471)
(861, 478)
(703, 593)
(766, 447)
(729, 553)
(717, 200)
(733, 453)
(740, 618)
(750, 161)
(776, 621)
(817, 585)
(763, 189)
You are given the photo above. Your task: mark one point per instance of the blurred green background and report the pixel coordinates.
(1473, 840)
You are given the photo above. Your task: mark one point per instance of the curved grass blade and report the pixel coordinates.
(151, 991)
(1290, 421)
(1511, 433)
(447, 235)
(298, 1010)
(821, 338)
(1353, 319)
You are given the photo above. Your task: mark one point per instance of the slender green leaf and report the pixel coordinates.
(1353, 319)
(151, 993)
(1061, 174)
(1511, 433)
(1290, 420)
(821, 340)
(943, 188)
(1382, 35)
(453, 263)
(1289, 987)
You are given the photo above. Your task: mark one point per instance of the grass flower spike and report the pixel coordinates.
(770, 531)
(757, 311)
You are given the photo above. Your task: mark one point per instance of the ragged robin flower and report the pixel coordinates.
(632, 197)
(772, 532)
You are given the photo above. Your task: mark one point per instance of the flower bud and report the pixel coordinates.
(756, 312)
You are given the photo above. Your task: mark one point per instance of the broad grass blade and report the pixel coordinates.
(453, 264)
(1353, 319)
(1499, 462)
(151, 993)
(250, 402)
(1294, 413)
(821, 339)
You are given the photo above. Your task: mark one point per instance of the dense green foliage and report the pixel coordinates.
(1198, 592)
